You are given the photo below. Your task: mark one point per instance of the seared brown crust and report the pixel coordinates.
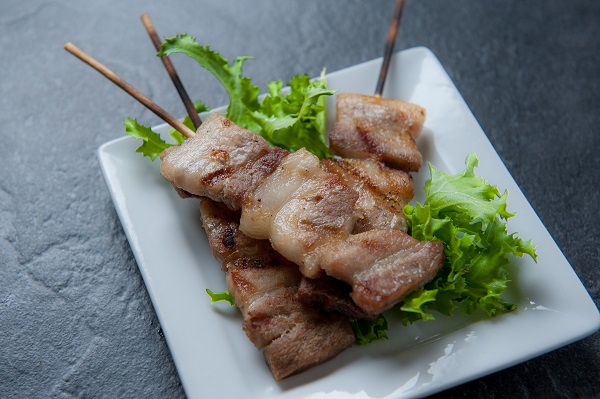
(231, 247)
(383, 192)
(252, 174)
(377, 128)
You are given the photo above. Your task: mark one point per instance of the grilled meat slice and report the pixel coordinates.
(231, 247)
(379, 128)
(223, 162)
(276, 191)
(298, 207)
(308, 344)
(293, 336)
(382, 192)
(382, 266)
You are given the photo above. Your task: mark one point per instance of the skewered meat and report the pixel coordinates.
(223, 162)
(313, 208)
(378, 128)
(382, 266)
(306, 212)
(382, 192)
(293, 336)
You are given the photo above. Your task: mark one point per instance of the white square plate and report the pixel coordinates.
(212, 354)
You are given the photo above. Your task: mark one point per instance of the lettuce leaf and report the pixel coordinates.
(243, 95)
(469, 216)
(220, 296)
(368, 331)
(152, 144)
(289, 120)
(295, 120)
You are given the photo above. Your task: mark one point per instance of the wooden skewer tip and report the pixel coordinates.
(170, 68)
(389, 46)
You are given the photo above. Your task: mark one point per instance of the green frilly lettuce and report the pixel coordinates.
(152, 143)
(469, 216)
(367, 331)
(291, 118)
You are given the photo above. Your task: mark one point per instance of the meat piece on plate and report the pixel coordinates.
(222, 161)
(298, 208)
(379, 128)
(293, 336)
(382, 192)
(382, 266)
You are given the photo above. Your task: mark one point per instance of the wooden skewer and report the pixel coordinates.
(132, 91)
(187, 102)
(389, 47)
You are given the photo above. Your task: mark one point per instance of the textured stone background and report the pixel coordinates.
(75, 318)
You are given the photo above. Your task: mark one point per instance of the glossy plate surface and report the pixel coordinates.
(212, 354)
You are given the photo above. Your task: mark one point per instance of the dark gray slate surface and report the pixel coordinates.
(75, 318)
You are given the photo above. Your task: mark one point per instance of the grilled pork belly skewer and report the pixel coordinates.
(292, 336)
(371, 127)
(387, 248)
(307, 213)
(376, 196)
